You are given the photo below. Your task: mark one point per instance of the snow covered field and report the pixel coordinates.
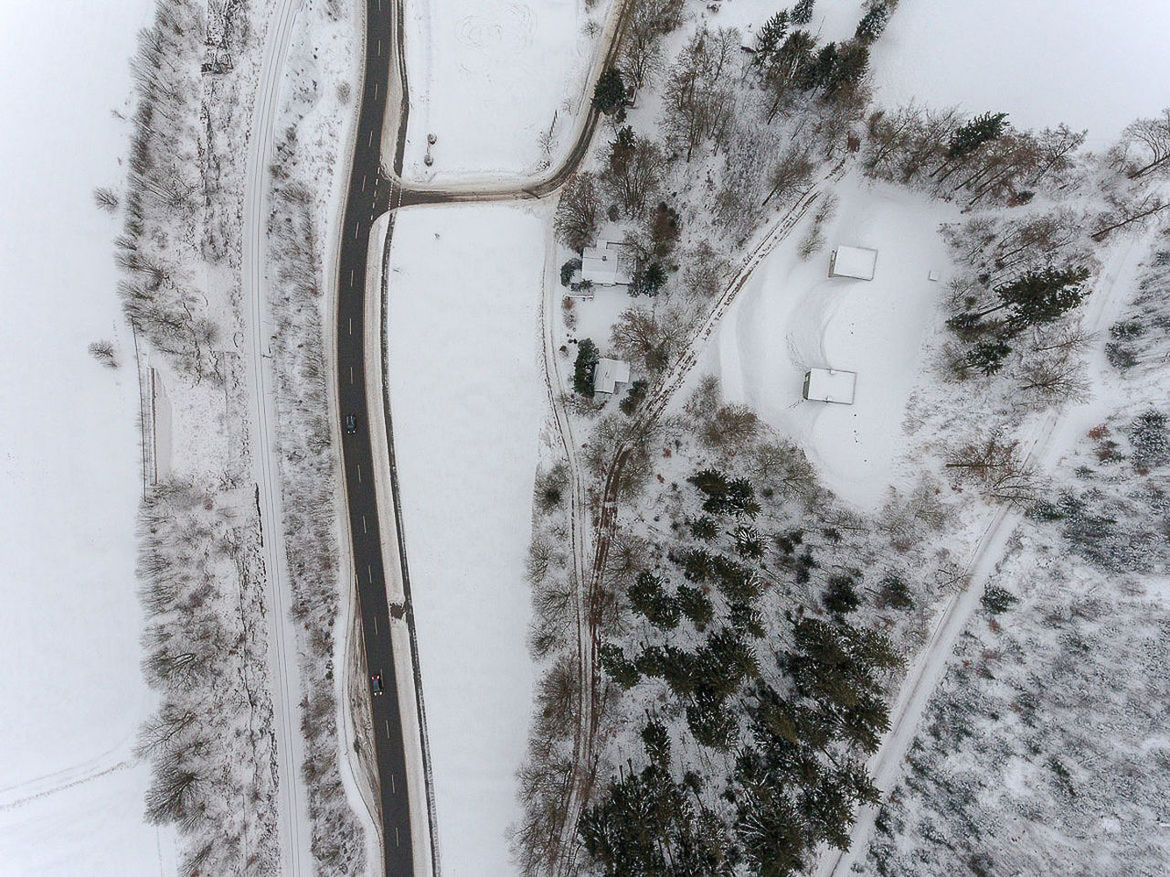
(1079, 62)
(71, 791)
(792, 317)
(467, 400)
(487, 77)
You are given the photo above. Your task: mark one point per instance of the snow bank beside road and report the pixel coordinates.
(467, 400)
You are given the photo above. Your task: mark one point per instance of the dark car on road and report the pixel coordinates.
(350, 424)
(376, 683)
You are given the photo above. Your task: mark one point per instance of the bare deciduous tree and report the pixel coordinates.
(633, 172)
(791, 172)
(106, 199)
(103, 352)
(699, 102)
(1129, 213)
(1151, 137)
(577, 212)
(997, 469)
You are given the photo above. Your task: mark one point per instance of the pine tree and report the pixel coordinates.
(969, 137)
(1034, 298)
(849, 66)
(656, 740)
(769, 38)
(704, 528)
(649, 599)
(696, 606)
(817, 73)
(996, 600)
(648, 280)
(988, 356)
(621, 669)
(587, 357)
(802, 11)
(609, 96)
(1042, 296)
(841, 597)
(873, 22)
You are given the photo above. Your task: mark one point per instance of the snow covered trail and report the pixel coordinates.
(292, 801)
(1050, 438)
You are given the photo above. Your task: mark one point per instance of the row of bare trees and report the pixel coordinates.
(308, 463)
(210, 743)
(981, 160)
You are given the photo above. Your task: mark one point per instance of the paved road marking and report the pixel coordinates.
(351, 325)
(395, 835)
(375, 90)
(364, 530)
(393, 781)
(370, 139)
(375, 625)
(359, 473)
(351, 270)
(357, 226)
(379, 48)
(363, 189)
(370, 578)
(388, 737)
(351, 374)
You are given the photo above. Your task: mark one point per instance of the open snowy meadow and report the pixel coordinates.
(1087, 64)
(487, 78)
(71, 789)
(467, 397)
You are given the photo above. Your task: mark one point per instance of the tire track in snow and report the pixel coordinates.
(292, 805)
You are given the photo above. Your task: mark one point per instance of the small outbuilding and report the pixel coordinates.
(856, 262)
(605, 264)
(829, 385)
(610, 376)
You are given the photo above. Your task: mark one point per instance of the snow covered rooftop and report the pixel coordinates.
(856, 262)
(603, 264)
(829, 385)
(609, 374)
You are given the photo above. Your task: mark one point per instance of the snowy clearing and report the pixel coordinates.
(1074, 61)
(467, 401)
(792, 316)
(487, 78)
(70, 487)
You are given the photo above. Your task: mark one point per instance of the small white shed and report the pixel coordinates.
(856, 262)
(610, 376)
(605, 265)
(829, 385)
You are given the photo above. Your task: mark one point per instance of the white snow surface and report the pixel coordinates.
(487, 78)
(467, 401)
(792, 317)
(71, 791)
(1088, 64)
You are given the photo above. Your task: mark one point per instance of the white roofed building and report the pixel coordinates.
(856, 262)
(610, 376)
(605, 264)
(829, 385)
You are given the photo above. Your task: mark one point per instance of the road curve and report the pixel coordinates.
(373, 191)
(537, 187)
